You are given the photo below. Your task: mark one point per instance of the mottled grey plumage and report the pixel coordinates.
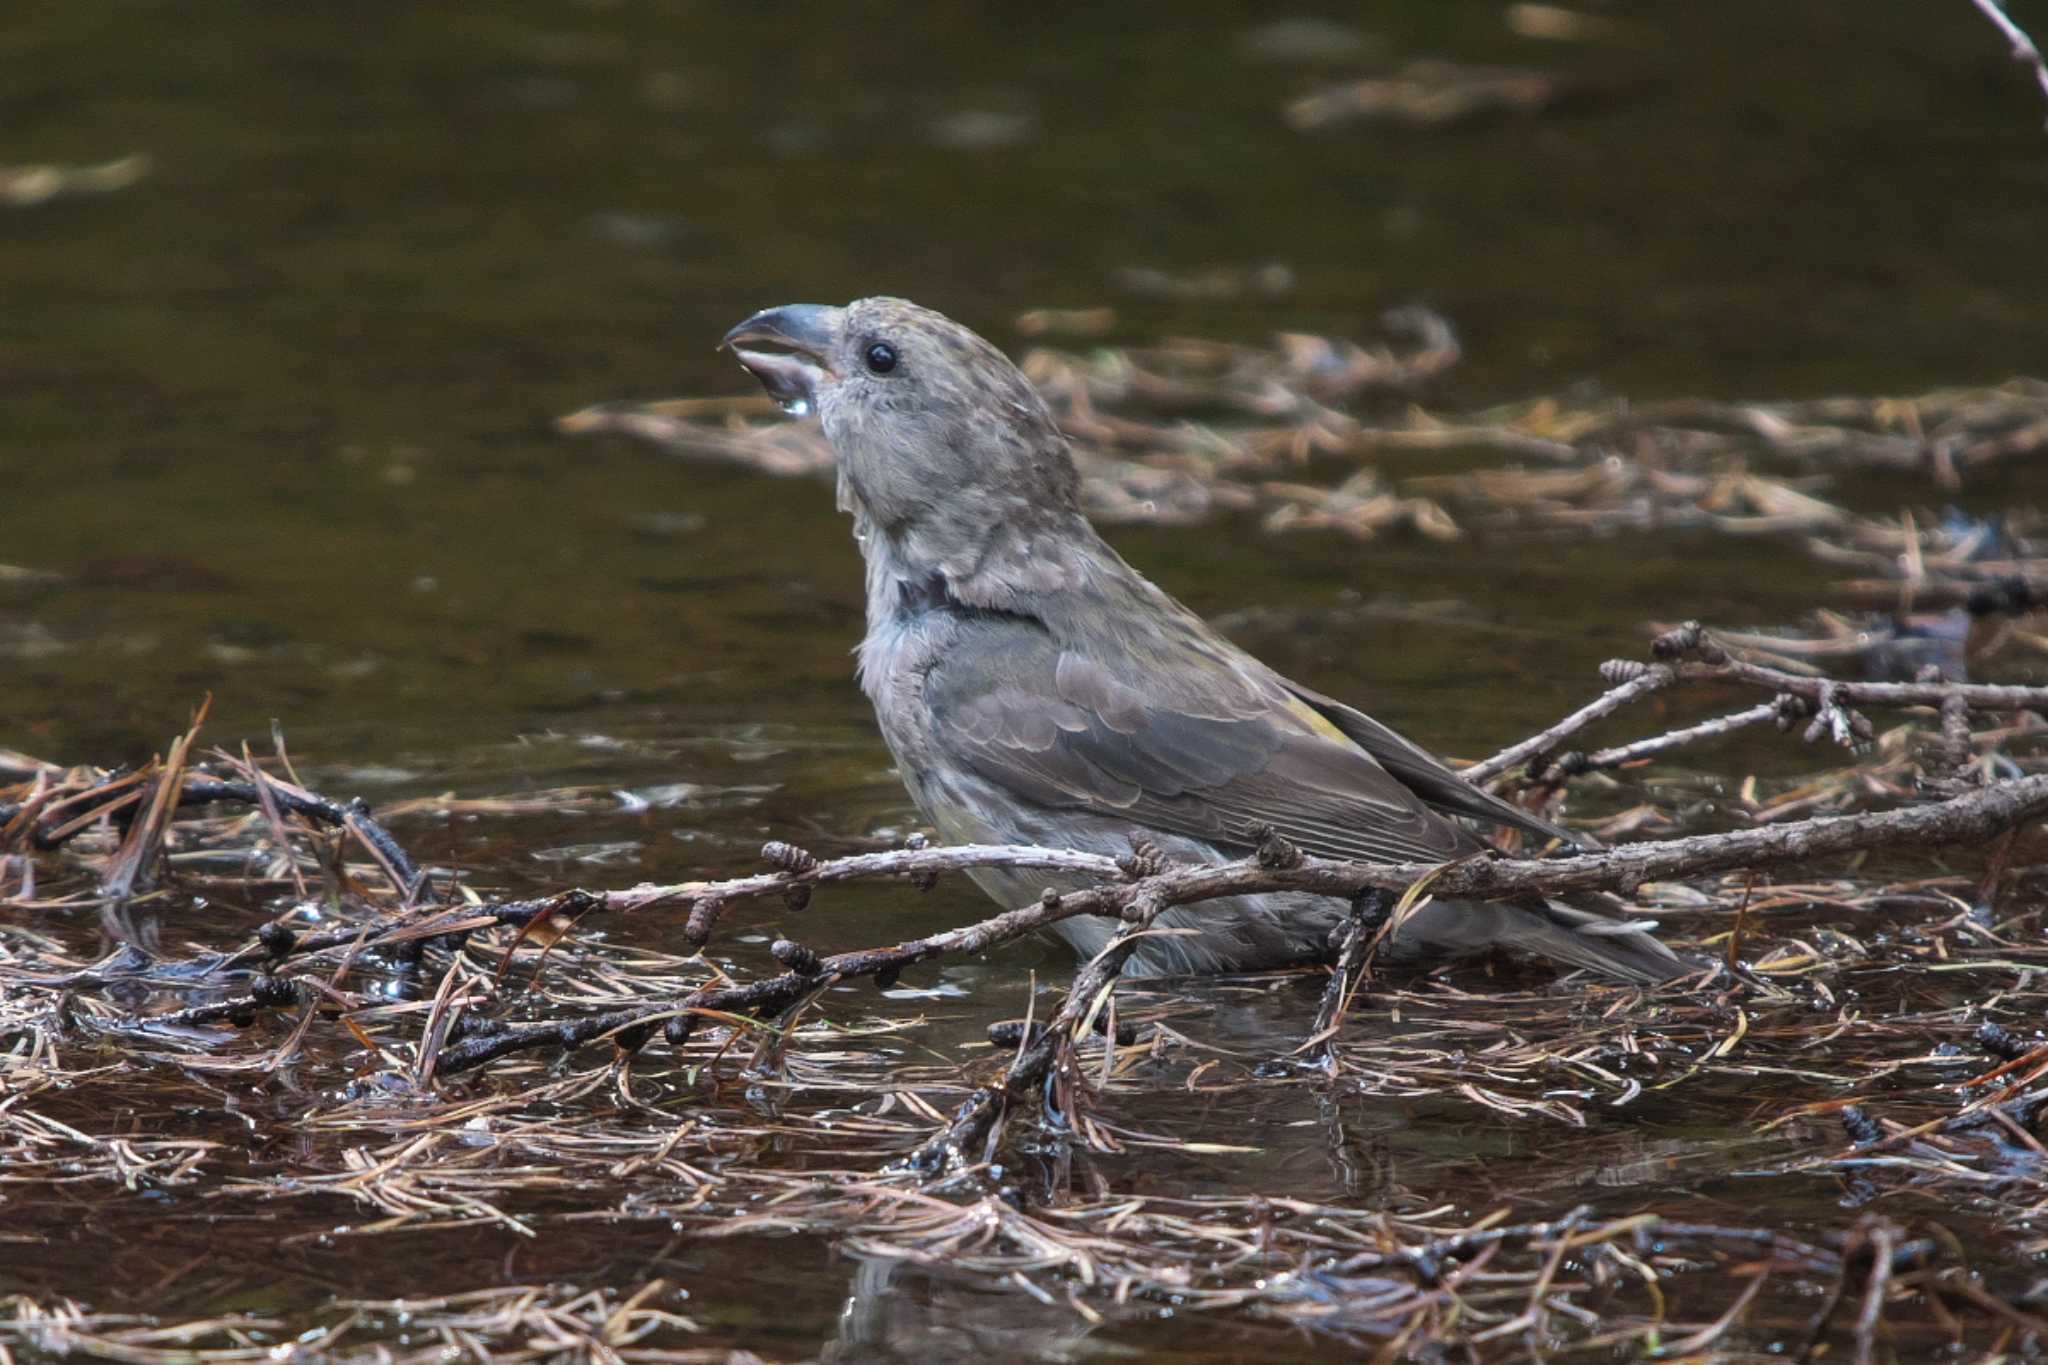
(1036, 689)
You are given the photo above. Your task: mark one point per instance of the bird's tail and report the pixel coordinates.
(1566, 934)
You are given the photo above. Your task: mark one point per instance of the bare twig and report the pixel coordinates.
(195, 789)
(1626, 689)
(1359, 936)
(1574, 764)
(976, 1125)
(2023, 49)
(1972, 817)
(1976, 696)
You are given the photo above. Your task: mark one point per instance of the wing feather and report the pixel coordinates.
(1424, 774)
(1216, 762)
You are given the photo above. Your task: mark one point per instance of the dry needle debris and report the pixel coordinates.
(1870, 947)
(509, 1323)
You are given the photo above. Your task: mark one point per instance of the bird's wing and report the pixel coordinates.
(1422, 773)
(1212, 754)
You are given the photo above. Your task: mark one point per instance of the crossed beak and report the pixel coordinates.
(805, 335)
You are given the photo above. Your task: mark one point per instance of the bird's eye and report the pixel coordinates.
(881, 357)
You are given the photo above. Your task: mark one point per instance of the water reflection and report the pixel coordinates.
(893, 1313)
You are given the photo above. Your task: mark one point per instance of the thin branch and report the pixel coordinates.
(1651, 679)
(197, 789)
(1976, 696)
(1359, 937)
(1574, 764)
(1973, 817)
(485, 1042)
(976, 1126)
(2023, 49)
(801, 870)
(1692, 655)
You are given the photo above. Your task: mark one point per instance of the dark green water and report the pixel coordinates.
(280, 414)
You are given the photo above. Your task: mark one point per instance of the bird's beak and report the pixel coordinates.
(806, 335)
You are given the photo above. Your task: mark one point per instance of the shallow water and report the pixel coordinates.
(280, 417)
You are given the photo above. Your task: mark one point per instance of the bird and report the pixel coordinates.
(1034, 688)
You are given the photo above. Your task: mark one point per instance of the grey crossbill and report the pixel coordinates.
(1036, 689)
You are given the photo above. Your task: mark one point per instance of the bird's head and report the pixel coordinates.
(940, 439)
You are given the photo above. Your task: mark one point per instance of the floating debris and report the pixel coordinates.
(1207, 286)
(1555, 23)
(1427, 94)
(981, 130)
(1073, 322)
(1304, 39)
(24, 187)
(15, 575)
